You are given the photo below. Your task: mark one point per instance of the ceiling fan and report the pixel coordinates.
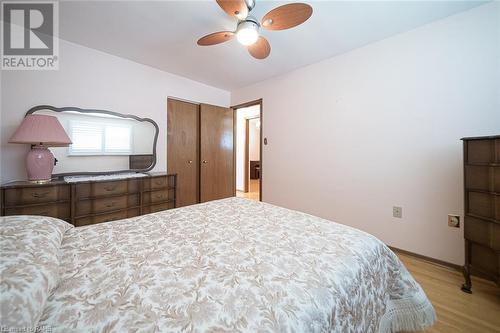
(247, 31)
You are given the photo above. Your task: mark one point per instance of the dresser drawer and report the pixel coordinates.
(484, 204)
(497, 151)
(58, 210)
(155, 197)
(484, 178)
(34, 195)
(485, 260)
(100, 189)
(483, 151)
(155, 183)
(157, 208)
(482, 232)
(93, 206)
(100, 218)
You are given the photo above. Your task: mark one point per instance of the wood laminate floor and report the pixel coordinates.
(253, 190)
(457, 311)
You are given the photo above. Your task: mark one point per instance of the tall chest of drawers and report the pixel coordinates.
(91, 202)
(482, 208)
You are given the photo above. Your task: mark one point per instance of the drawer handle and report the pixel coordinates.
(111, 188)
(159, 182)
(159, 196)
(110, 204)
(39, 195)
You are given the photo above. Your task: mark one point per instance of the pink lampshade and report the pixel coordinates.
(41, 129)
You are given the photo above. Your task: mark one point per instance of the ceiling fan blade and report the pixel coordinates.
(216, 38)
(236, 8)
(287, 16)
(260, 49)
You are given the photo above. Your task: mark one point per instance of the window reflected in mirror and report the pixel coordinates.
(103, 143)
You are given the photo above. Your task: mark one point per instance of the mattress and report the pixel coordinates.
(231, 265)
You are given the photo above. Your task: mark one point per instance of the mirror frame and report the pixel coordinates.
(112, 113)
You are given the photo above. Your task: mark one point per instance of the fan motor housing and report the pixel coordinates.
(249, 22)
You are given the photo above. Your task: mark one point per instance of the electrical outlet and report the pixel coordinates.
(453, 221)
(397, 212)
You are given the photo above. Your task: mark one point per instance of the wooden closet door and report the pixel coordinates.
(182, 149)
(216, 153)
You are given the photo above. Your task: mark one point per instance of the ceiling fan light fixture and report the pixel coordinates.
(247, 33)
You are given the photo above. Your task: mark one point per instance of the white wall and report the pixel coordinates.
(253, 138)
(92, 79)
(241, 116)
(379, 126)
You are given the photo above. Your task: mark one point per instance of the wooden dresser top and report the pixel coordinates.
(488, 137)
(60, 181)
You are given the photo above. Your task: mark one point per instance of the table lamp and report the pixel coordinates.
(40, 131)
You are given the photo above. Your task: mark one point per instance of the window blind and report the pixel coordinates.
(91, 138)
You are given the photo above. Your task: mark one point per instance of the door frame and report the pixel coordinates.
(261, 116)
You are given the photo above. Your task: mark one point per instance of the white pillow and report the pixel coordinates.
(29, 268)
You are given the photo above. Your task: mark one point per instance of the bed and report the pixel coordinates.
(232, 265)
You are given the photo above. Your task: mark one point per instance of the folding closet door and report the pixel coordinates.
(182, 149)
(216, 153)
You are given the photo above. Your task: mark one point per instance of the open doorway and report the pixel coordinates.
(248, 150)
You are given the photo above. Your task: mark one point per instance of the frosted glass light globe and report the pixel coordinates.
(247, 33)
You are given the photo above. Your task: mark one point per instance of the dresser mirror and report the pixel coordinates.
(103, 142)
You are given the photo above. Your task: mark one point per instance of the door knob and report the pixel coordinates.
(190, 161)
(205, 161)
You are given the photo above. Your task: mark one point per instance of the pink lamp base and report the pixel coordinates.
(39, 164)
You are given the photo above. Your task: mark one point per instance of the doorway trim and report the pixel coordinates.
(261, 114)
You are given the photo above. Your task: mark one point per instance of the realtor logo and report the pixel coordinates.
(30, 35)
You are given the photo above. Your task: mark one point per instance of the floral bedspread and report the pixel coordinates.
(231, 265)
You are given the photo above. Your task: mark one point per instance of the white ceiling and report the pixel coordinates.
(163, 34)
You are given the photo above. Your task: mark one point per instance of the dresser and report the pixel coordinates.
(482, 208)
(91, 202)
